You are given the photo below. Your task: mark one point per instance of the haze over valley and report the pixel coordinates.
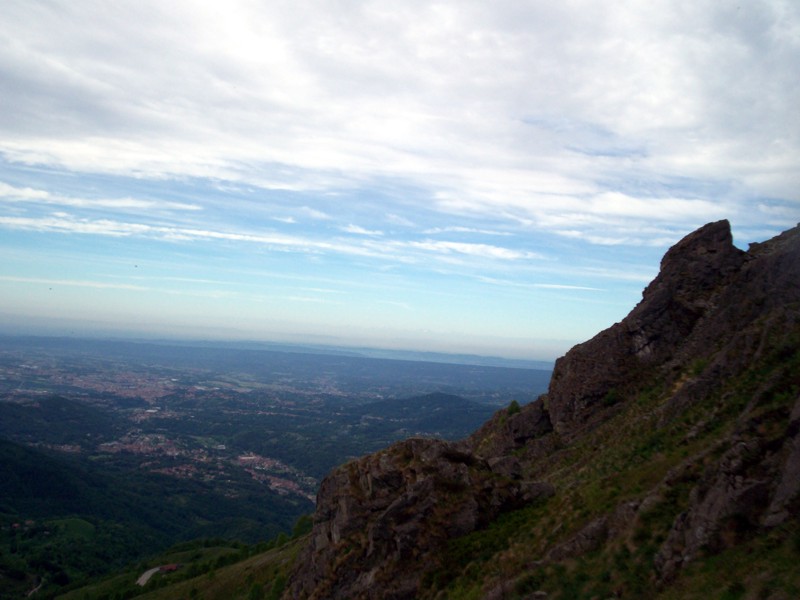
(205, 440)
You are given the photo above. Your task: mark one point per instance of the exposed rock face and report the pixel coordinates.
(597, 372)
(504, 432)
(712, 311)
(379, 517)
(754, 485)
(727, 492)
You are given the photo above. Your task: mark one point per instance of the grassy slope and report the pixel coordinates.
(213, 572)
(627, 459)
(633, 456)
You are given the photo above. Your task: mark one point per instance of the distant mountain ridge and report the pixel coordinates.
(666, 441)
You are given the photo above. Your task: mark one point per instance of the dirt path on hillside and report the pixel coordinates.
(145, 577)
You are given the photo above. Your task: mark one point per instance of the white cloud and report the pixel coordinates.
(65, 224)
(10, 194)
(399, 220)
(558, 286)
(315, 214)
(471, 249)
(459, 229)
(533, 286)
(76, 283)
(389, 250)
(537, 113)
(356, 229)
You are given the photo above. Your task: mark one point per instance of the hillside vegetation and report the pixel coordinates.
(664, 462)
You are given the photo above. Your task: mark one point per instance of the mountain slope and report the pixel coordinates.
(62, 520)
(664, 460)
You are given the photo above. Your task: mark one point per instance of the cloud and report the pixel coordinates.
(395, 304)
(459, 229)
(389, 250)
(12, 194)
(54, 284)
(312, 299)
(399, 220)
(526, 158)
(315, 214)
(558, 286)
(529, 112)
(544, 286)
(471, 249)
(77, 283)
(64, 224)
(360, 230)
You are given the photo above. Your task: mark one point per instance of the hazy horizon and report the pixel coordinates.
(59, 335)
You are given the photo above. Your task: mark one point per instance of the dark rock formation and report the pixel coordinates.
(591, 376)
(505, 432)
(379, 518)
(711, 314)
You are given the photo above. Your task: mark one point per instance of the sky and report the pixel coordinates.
(497, 178)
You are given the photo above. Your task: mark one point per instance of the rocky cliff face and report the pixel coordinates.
(616, 360)
(379, 518)
(701, 379)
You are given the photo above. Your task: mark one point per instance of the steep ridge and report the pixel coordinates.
(665, 440)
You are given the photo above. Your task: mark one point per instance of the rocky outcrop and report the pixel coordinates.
(786, 499)
(379, 518)
(592, 376)
(754, 485)
(508, 431)
(714, 319)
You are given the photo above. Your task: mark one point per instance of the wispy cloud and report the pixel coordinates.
(388, 250)
(13, 194)
(361, 230)
(77, 283)
(315, 214)
(558, 286)
(534, 285)
(308, 299)
(63, 224)
(399, 220)
(293, 103)
(55, 284)
(460, 229)
(471, 249)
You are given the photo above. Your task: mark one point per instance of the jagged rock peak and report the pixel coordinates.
(697, 263)
(594, 374)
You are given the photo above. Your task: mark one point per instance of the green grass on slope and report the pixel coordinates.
(626, 459)
(757, 568)
(209, 569)
(261, 577)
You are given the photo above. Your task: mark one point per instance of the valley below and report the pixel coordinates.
(178, 442)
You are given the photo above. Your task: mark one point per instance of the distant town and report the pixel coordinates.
(214, 415)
